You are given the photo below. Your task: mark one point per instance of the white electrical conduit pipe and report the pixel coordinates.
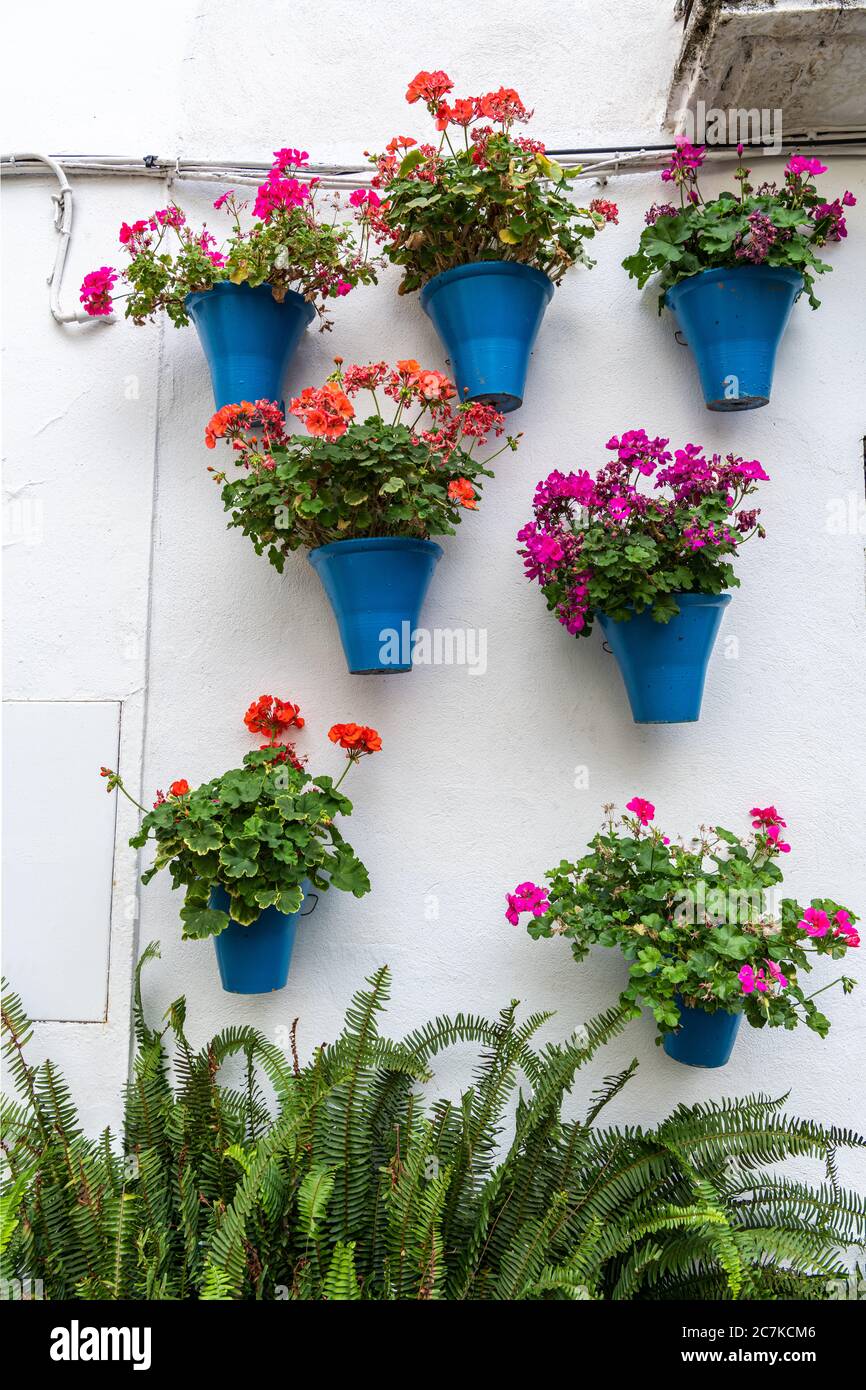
(848, 142)
(63, 225)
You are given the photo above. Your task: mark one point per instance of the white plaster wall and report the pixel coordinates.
(474, 790)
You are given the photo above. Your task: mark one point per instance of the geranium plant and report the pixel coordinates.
(477, 191)
(294, 242)
(410, 470)
(760, 224)
(698, 922)
(259, 831)
(606, 544)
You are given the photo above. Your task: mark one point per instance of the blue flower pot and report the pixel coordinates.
(702, 1039)
(488, 315)
(255, 959)
(664, 665)
(248, 339)
(376, 586)
(733, 321)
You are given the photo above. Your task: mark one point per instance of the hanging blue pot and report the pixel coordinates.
(733, 321)
(248, 339)
(488, 315)
(376, 586)
(256, 959)
(664, 665)
(702, 1039)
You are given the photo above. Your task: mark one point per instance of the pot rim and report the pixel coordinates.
(292, 298)
(716, 273)
(471, 269)
(361, 543)
(688, 598)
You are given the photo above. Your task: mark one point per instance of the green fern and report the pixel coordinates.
(350, 1184)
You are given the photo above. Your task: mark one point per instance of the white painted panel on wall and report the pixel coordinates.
(58, 854)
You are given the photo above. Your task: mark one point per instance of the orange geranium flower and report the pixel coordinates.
(409, 367)
(462, 491)
(180, 787)
(325, 410)
(355, 738)
(224, 418)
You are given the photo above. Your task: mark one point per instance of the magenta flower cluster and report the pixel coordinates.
(815, 922)
(279, 192)
(751, 979)
(568, 507)
(96, 290)
(527, 897)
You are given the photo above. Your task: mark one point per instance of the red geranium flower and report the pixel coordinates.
(462, 491)
(180, 787)
(355, 738)
(430, 87)
(271, 716)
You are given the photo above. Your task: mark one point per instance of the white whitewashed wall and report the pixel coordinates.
(124, 585)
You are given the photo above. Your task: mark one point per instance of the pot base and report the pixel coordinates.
(376, 585)
(733, 320)
(741, 403)
(488, 314)
(703, 1039)
(254, 959)
(664, 665)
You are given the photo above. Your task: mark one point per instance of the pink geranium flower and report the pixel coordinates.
(845, 927)
(527, 897)
(766, 815)
(773, 835)
(644, 810)
(777, 975)
(814, 921)
(798, 165)
(96, 289)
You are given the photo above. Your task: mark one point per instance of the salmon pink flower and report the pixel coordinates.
(227, 418)
(325, 410)
(435, 386)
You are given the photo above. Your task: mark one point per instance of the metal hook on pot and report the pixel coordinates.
(315, 898)
(679, 337)
(606, 648)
